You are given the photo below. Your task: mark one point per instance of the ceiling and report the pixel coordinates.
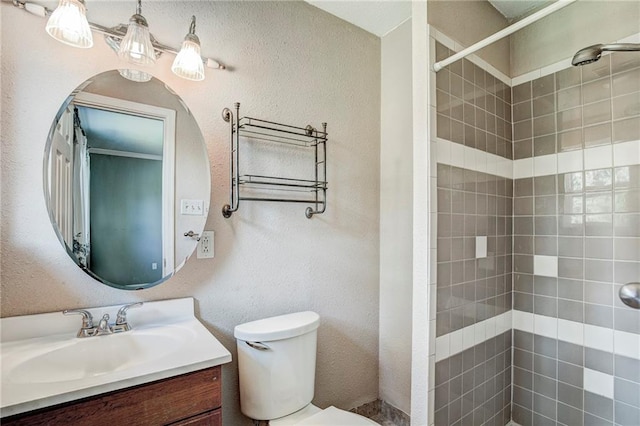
(377, 17)
(514, 9)
(381, 16)
(121, 132)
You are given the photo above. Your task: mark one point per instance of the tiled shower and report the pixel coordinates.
(532, 330)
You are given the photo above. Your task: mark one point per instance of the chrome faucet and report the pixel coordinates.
(121, 320)
(103, 326)
(88, 329)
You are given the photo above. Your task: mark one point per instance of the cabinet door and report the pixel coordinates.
(212, 418)
(152, 404)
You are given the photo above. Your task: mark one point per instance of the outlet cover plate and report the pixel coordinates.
(205, 245)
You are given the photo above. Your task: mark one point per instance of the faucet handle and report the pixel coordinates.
(87, 319)
(87, 328)
(122, 312)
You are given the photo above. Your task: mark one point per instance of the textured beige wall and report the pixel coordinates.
(468, 22)
(291, 62)
(396, 218)
(561, 34)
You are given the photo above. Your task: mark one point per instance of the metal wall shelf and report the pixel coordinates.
(250, 128)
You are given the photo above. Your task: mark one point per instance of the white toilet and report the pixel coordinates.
(277, 363)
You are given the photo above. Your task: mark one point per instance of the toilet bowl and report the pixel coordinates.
(276, 363)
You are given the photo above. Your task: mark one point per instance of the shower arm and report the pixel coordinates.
(620, 47)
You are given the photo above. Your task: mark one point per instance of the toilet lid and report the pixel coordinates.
(333, 416)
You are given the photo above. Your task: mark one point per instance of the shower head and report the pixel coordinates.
(587, 55)
(593, 53)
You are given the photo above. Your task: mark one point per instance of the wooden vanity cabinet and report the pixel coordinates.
(193, 399)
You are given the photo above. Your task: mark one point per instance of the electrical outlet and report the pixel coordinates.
(205, 245)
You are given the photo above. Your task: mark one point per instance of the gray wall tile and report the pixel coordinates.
(627, 415)
(627, 319)
(570, 374)
(545, 366)
(598, 405)
(570, 353)
(570, 310)
(545, 406)
(545, 386)
(627, 368)
(569, 416)
(627, 392)
(601, 316)
(570, 395)
(598, 360)
(591, 420)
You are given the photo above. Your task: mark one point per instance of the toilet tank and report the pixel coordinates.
(277, 364)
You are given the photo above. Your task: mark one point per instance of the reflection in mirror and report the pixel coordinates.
(126, 176)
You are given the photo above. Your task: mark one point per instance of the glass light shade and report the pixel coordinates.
(68, 24)
(136, 47)
(188, 64)
(135, 75)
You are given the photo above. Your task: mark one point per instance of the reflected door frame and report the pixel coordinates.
(61, 166)
(168, 117)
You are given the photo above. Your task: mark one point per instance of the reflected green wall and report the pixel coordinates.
(126, 219)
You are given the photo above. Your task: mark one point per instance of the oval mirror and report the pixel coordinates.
(126, 176)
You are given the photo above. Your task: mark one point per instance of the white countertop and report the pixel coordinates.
(27, 337)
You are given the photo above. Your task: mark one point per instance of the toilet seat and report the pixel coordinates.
(333, 416)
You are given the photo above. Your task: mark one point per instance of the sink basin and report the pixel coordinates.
(43, 363)
(79, 359)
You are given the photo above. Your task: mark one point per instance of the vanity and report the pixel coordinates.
(166, 370)
(127, 187)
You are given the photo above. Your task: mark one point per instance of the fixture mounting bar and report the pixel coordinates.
(503, 33)
(113, 33)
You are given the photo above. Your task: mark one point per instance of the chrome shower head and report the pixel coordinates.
(593, 53)
(587, 55)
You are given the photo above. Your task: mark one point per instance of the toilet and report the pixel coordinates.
(277, 364)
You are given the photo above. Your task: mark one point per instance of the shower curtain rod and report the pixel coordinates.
(503, 33)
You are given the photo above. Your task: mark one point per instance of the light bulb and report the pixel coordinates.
(68, 24)
(136, 47)
(188, 63)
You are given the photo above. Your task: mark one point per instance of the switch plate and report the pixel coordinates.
(205, 245)
(192, 207)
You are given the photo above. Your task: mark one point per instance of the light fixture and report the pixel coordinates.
(68, 24)
(188, 63)
(133, 74)
(134, 44)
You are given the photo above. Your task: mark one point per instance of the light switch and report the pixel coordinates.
(192, 207)
(481, 247)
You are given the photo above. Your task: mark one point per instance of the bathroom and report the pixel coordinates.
(367, 265)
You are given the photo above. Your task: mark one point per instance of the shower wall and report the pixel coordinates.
(572, 141)
(474, 255)
(576, 240)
